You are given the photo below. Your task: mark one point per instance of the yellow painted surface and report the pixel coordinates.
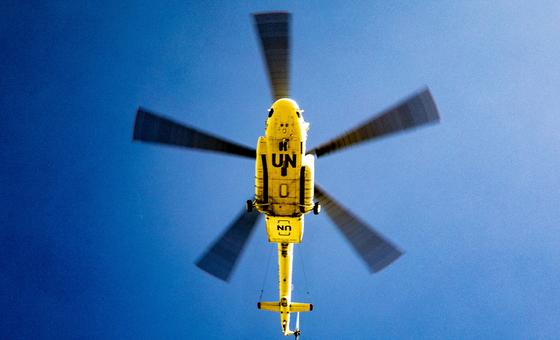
(259, 174)
(285, 256)
(284, 181)
(280, 156)
(309, 183)
(284, 229)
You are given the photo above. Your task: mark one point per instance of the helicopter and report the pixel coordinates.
(285, 187)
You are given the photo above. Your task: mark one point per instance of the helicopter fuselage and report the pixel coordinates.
(284, 181)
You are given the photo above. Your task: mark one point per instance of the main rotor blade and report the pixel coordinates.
(150, 127)
(274, 34)
(220, 259)
(373, 248)
(419, 109)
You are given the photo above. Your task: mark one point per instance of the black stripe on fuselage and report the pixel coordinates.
(302, 189)
(265, 179)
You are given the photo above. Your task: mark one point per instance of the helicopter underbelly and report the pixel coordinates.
(284, 183)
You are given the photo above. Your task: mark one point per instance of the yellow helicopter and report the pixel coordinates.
(285, 188)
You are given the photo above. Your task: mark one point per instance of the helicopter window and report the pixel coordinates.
(297, 113)
(270, 112)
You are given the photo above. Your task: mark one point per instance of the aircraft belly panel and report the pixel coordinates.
(282, 229)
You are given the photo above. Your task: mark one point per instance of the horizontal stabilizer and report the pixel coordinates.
(270, 306)
(300, 307)
(293, 307)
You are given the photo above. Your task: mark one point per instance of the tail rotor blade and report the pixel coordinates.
(373, 248)
(274, 35)
(220, 258)
(417, 110)
(150, 127)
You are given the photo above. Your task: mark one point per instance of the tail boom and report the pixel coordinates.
(285, 306)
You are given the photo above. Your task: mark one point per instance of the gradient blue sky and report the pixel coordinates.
(98, 235)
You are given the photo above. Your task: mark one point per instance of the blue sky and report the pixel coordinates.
(98, 235)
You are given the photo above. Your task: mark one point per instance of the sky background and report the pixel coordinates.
(98, 235)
